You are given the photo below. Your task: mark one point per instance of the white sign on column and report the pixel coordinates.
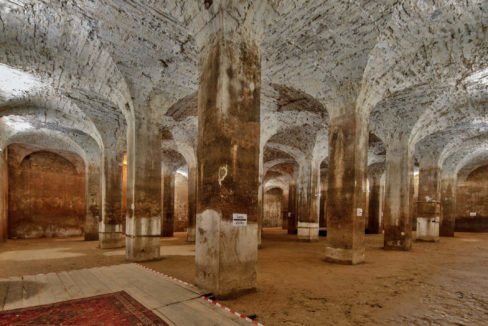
(239, 219)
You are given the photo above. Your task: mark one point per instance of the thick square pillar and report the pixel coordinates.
(167, 229)
(228, 161)
(308, 201)
(448, 207)
(346, 192)
(110, 228)
(397, 207)
(143, 222)
(3, 195)
(292, 208)
(192, 204)
(428, 204)
(375, 173)
(93, 199)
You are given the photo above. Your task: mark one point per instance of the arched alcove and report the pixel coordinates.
(472, 196)
(46, 193)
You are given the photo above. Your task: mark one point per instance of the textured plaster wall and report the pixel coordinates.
(472, 197)
(46, 196)
(181, 203)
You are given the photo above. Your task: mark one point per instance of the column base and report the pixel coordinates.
(225, 255)
(446, 230)
(447, 234)
(344, 256)
(404, 245)
(142, 248)
(91, 236)
(142, 238)
(308, 231)
(428, 229)
(190, 234)
(110, 236)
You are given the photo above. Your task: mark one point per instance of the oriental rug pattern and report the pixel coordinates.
(116, 308)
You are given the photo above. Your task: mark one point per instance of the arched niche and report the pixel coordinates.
(46, 193)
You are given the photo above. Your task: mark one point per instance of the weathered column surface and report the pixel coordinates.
(448, 207)
(228, 160)
(308, 201)
(399, 176)
(143, 222)
(292, 208)
(346, 192)
(428, 204)
(93, 195)
(110, 228)
(3, 196)
(192, 203)
(168, 203)
(374, 176)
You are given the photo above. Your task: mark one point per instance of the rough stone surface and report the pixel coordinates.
(104, 78)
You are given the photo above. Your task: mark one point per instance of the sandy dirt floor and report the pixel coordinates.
(443, 283)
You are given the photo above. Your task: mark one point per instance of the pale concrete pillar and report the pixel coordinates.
(167, 226)
(448, 207)
(93, 199)
(143, 222)
(346, 190)
(374, 210)
(397, 207)
(228, 159)
(428, 203)
(308, 201)
(110, 227)
(292, 208)
(192, 203)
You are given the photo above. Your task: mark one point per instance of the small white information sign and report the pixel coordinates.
(472, 214)
(239, 219)
(359, 212)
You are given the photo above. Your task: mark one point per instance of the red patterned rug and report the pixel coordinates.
(117, 308)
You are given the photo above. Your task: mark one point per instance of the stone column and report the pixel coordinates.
(143, 222)
(3, 195)
(323, 203)
(308, 201)
(292, 208)
(110, 228)
(261, 196)
(284, 210)
(346, 191)
(397, 206)
(428, 203)
(192, 203)
(228, 159)
(448, 207)
(168, 203)
(374, 176)
(93, 199)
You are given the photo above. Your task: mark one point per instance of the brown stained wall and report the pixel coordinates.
(46, 195)
(472, 197)
(273, 199)
(181, 203)
(3, 197)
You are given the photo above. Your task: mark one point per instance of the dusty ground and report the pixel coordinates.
(443, 283)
